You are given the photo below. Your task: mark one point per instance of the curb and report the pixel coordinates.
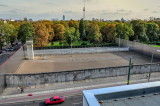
(65, 91)
(38, 99)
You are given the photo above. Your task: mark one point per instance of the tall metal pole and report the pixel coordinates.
(150, 67)
(130, 63)
(84, 10)
(71, 46)
(119, 44)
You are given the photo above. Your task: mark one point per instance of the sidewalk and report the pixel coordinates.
(12, 95)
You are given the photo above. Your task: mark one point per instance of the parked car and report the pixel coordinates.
(55, 100)
(2, 51)
(9, 49)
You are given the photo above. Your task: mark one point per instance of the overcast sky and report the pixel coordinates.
(72, 9)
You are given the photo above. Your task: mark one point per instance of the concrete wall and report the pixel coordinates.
(139, 47)
(79, 50)
(53, 77)
(2, 83)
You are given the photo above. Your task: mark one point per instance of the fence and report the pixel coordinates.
(139, 47)
(79, 50)
(80, 46)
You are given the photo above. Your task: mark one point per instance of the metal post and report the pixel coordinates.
(119, 45)
(71, 46)
(119, 41)
(150, 67)
(130, 63)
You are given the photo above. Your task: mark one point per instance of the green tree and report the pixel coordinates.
(152, 31)
(10, 33)
(94, 34)
(82, 29)
(139, 28)
(2, 37)
(124, 30)
(26, 31)
(69, 35)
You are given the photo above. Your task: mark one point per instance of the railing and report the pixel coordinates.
(80, 46)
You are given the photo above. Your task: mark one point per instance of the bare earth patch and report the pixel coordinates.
(55, 63)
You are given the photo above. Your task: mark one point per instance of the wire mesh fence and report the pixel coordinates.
(80, 46)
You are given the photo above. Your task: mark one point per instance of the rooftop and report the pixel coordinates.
(126, 95)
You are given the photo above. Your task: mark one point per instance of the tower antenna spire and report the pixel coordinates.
(84, 10)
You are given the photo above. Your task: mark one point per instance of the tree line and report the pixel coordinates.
(44, 32)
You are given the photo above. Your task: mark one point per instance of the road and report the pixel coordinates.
(75, 100)
(5, 56)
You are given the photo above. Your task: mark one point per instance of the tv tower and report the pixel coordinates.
(84, 10)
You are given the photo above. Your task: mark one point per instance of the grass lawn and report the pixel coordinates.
(75, 43)
(156, 45)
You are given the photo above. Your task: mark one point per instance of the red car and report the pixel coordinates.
(55, 100)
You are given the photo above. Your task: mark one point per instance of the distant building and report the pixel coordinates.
(156, 19)
(30, 19)
(63, 17)
(11, 20)
(54, 19)
(123, 20)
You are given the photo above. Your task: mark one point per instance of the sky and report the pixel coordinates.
(73, 9)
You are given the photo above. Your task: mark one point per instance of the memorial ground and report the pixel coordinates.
(55, 63)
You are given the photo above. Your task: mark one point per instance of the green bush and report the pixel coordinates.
(84, 43)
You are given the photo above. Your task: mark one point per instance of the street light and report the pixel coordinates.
(71, 46)
(149, 75)
(119, 45)
(129, 69)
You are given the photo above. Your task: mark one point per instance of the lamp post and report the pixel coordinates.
(71, 46)
(119, 45)
(149, 75)
(129, 70)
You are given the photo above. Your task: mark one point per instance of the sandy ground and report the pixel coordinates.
(54, 63)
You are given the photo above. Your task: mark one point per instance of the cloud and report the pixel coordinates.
(69, 12)
(146, 9)
(155, 11)
(123, 12)
(16, 11)
(3, 5)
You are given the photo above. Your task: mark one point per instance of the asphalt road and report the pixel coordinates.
(75, 100)
(6, 55)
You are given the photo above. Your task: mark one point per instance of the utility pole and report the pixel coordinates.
(130, 66)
